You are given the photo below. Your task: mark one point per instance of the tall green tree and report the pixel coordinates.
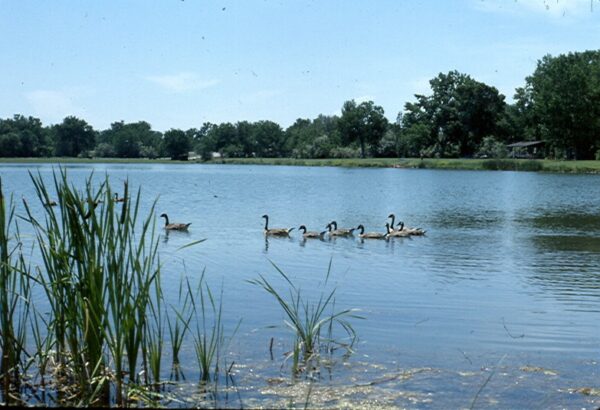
(203, 140)
(131, 140)
(226, 140)
(176, 144)
(267, 139)
(458, 114)
(312, 138)
(562, 102)
(73, 137)
(364, 123)
(22, 136)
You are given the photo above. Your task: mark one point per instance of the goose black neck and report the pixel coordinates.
(266, 223)
(393, 219)
(166, 219)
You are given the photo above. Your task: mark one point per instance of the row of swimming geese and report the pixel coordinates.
(391, 230)
(400, 230)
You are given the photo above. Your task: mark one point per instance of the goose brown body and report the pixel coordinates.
(397, 233)
(408, 230)
(174, 226)
(339, 232)
(371, 235)
(310, 234)
(275, 231)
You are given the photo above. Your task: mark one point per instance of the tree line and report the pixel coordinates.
(461, 117)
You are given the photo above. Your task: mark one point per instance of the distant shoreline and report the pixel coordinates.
(539, 165)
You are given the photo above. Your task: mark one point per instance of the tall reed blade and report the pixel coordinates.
(307, 319)
(100, 271)
(15, 290)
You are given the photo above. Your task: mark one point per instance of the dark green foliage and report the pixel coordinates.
(23, 137)
(129, 140)
(73, 137)
(455, 118)
(560, 103)
(492, 148)
(363, 123)
(267, 138)
(176, 144)
(316, 138)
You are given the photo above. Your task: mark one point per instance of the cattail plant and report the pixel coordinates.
(100, 268)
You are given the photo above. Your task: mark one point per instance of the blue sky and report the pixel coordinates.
(177, 64)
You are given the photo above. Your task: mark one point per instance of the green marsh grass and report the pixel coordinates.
(201, 314)
(99, 270)
(310, 321)
(209, 336)
(178, 325)
(15, 291)
(103, 338)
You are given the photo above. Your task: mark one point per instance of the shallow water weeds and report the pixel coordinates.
(312, 323)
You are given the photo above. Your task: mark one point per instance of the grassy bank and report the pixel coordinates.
(72, 160)
(433, 163)
(543, 165)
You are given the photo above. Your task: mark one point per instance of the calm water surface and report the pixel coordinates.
(505, 283)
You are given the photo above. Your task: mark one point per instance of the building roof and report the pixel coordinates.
(524, 144)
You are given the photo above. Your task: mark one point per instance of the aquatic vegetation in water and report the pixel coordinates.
(15, 309)
(103, 340)
(312, 322)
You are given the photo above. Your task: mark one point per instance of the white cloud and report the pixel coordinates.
(181, 82)
(364, 98)
(550, 8)
(52, 105)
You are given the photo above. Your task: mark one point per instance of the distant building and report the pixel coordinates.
(526, 149)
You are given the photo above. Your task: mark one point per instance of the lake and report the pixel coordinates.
(499, 302)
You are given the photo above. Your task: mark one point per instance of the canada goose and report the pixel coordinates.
(411, 231)
(174, 226)
(93, 204)
(310, 234)
(275, 231)
(397, 233)
(371, 235)
(117, 199)
(339, 232)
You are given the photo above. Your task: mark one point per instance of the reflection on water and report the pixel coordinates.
(178, 234)
(571, 221)
(561, 244)
(505, 254)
